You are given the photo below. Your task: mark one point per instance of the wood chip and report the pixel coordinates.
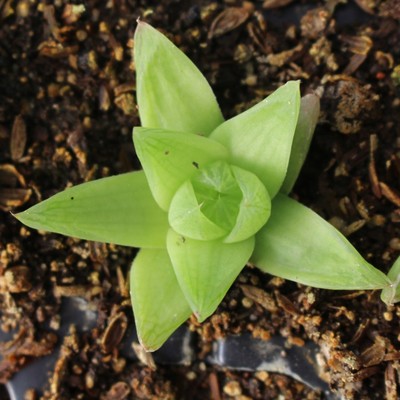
(355, 62)
(282, 58)
(11, 195)
(390, 383)
(373, 355)
(144, 356)
(365, 5)
(358, 44)
(72, 13)
(233, 389)
(390, 194)
(366, 373)
(314, 22)
(114, 333)
(360, 332)
(228, 20)
(71, 290)
(104, 99)
(124, 88)
(259, 37)
(392, 356)
(353, 227)
(18, 279)
(118, 391)
(286, 304)
(270, 4)
(126, 102)
(122, 283)
(68, 348)
(12, 198)
(6, 9)
(18, 138)
(49, 15)
(53, 49)
(214, 386)
(373, 176)
(77, 142)
(260, 297)
(9, 176)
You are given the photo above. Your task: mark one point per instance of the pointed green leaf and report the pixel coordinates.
(206, 269)
(159, 306)
(298, 245)
(119, 209)
(169, 158)
(255, 207)
(391, 294)
(218, 193)
(308, 118)
(186, 217)
(171, 92)
(260, 139)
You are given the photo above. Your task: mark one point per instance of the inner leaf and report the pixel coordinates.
(218, 194)
(186, 217)
(255, 207)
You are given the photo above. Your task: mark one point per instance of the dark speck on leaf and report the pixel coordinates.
(195, 164)
(166, 152)
(72, 198)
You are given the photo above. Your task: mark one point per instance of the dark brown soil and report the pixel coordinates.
(66, 112)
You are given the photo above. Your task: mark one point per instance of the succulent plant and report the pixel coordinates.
(212, 196)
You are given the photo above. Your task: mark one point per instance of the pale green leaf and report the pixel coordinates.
(255, 206)
(206, 269)
(186, 217)
(169, 158)
(159, 306)
(218, 193)
(391, 294)
(260, 139)
(308, 118)
(171, 92)
(298, 245)
(119, 209)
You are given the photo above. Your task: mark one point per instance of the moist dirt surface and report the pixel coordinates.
(67, 108)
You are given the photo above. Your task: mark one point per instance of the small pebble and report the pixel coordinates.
(81, 35)
(395, 243)
(378, 220)
(247, 303)
(388, 316)
(233, 388)
(191, 376)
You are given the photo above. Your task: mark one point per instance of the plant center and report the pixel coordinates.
(218, 194)
(220, 200)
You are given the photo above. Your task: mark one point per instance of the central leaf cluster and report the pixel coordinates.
(220, 200)
(218, 194)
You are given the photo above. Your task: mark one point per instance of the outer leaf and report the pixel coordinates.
(391, 294)
(169, 158)
(159, 305)
(171, 92)
(255, 207)
(308, 118)
(260, 139)
(119, 209)
(206, 269)
(298, 245)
